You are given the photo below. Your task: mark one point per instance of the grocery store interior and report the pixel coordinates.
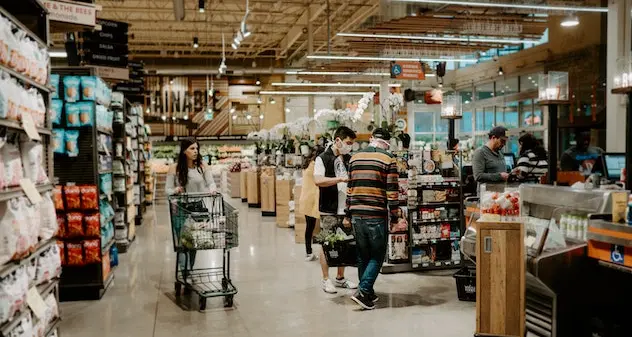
(171, 167)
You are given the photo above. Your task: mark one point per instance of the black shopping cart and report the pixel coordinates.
(203, 221)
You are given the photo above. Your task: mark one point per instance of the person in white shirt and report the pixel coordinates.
(330, 175)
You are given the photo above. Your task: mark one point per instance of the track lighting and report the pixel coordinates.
(570, 21)
(258, 82)
(186, 117)
(234, 45)
(272, 101)
(234, 117)
(196, 42)
(261, 116)
(248, 117)
(201, 6)
(170, 81)
(500, 71)
(232, 110)
(244, 29)
(259, 100)
(163, 117)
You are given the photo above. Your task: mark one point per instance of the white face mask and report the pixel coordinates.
(344, 148)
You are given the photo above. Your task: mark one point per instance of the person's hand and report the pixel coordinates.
(342, 180)
(346, 223)
(504, 175)
(179, 190)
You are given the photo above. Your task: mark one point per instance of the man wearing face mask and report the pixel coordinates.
(373, 192)
(488, 162)
(330, 175)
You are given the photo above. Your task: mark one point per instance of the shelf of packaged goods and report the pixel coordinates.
(105, 172)
(103, 131)
(15, 192)
(439, 204)
(20, 25)
(436, 265)
(431, 241)
(17, 126)
(44, 290)
(435, 221)
(438, 184)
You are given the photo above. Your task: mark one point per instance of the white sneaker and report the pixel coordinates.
(310, 257)
(328, 287)
(344, 283)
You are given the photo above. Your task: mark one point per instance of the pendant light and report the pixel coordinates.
(570, 21)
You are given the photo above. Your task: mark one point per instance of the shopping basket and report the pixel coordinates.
(203, 221)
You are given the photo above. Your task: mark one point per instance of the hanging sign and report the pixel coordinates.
(106, 48)
(71, 12)
(105, 60)
(112, 73)
(407, 70)
(104, 36)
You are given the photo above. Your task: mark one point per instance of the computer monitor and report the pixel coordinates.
(613, 163)
(510, 161)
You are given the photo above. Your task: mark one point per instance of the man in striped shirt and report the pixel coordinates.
(372, 191)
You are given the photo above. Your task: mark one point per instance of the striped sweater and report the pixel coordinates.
(373, 187)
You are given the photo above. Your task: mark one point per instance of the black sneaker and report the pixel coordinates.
(363, 300)
(373, 297)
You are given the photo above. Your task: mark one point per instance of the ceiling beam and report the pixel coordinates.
(354, 21)
(295, 32)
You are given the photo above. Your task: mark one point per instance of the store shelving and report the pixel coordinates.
(125, 226)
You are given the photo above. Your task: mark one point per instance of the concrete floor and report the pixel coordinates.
(279, 294)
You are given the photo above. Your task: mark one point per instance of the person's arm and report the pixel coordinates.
(392, 189)
(171, 187)
(478, 167)
(208, 179)
(350, 185)
(319, 175)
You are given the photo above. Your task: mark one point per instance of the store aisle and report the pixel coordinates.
(279, 294)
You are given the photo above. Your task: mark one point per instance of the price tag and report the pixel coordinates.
(30, 190)
(36, 303)
(29, 127)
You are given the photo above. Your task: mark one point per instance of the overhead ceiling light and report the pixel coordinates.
(317, 93)
(510, 5)
(244, 29)
(234, 45)
(234, 117)
(570, 21)
(201, 6)
(334, 73)
(258, 82)
(170, 81)
(261, 116)
(232, 110)
(439, 38)
(259, 100)
(287, 110)
(248, 117)
(163, 117)
(500, 71)
(272, 100)
(186, 117)
(339, 84)
(196, 42)
(57, 54)
(384, 58)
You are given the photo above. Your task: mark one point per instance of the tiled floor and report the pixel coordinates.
(279, 294)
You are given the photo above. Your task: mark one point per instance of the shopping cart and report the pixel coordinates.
(203, 221)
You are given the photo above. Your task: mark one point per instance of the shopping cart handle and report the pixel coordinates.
(195, 195)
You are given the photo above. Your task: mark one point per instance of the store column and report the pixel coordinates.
(618, 47)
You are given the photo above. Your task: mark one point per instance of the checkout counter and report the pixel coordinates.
(562, 294)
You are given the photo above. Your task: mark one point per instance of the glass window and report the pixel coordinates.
(529, 82)
(465, 124)
(489, 119)
(480, 120)
(442, 125)
(485, 91)
(466, 96)
(507, 86)
(424, 138)
(424, 122)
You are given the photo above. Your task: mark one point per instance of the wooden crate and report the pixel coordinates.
(500, 279)
(235, 184)
(243, 185)
(254, 191)
(268, 200)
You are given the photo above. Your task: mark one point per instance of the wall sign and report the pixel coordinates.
(407, 70)
(71, 12)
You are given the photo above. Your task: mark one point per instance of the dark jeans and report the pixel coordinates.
(309, 233)
(370, 235)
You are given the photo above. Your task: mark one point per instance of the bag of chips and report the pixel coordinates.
(88, 88)
(72, 142)
(89, 198)
(71, 88)
(61, 226)
(48, 218)
(72, 114)
(73, 196)
(54, 82)
(92, 250)
(11, 159)
(74, 225)
(55, 111)
(32, 160)
(74, 252)
(59, 143)
(86, 113)
(93, 227)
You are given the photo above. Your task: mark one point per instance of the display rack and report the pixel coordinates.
(89, 281)
(139, 183)
(33, 21)
(125, 234)
(432, 201)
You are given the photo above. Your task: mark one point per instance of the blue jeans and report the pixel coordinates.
(370, 235)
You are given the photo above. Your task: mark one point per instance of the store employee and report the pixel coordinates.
(488, 163)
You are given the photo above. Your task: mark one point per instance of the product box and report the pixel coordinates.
(243, 185)
(268, 192)
(235, 184)
(254, 193)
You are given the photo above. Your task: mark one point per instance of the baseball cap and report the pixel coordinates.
(498, 132)
(382, 134)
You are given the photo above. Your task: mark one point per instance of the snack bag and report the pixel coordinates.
(92, 250)
(75, 254)
(59, 145)
(55, 111)
(33, 218)
(93, 227)
(89, 200)
(13, 101)
(73, 196)
(61, 226)
(54, 82)
(71, 88)
(32, 160)
(58, 198)
(72, 142)
(48, 218)
(74, 225)
(13, 172)
(14, 213)
(8, 236)
(4, 96)
(88, 88)
(72, 114)
(5, 28)
(86, 111)
(62, 252)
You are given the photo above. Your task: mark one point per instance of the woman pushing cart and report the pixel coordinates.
(200, 220)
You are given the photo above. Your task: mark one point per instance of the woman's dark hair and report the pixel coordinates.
(530, 143)
(316, 151)
(182, 168)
